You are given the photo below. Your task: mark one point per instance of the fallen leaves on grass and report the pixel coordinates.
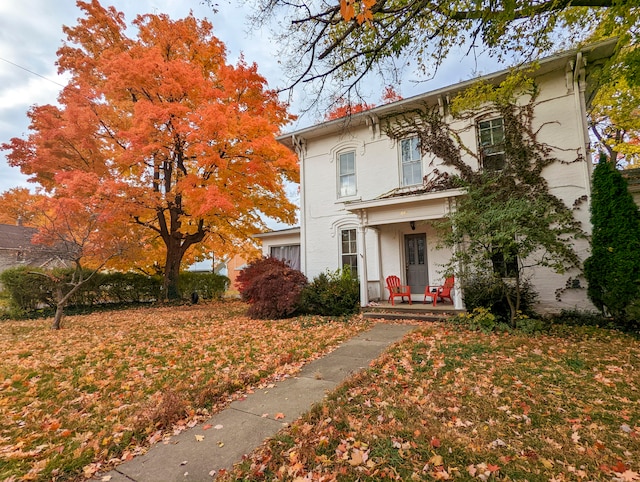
(95, 394)
(446, 405)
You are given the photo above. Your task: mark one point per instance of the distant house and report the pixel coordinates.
(365, 202)
(17, 249)
(633, 182)
(283, 244)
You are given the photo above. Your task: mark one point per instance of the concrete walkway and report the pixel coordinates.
(198, 454)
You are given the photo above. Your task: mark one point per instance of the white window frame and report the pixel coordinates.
(409, 164)
(495, 146)
(348, 190)
(352, 254)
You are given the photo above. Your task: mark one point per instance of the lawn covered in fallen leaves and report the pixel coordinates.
(79, 400)
(450, 404)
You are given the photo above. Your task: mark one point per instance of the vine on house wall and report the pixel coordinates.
(525, 157)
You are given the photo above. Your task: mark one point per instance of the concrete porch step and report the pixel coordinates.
(415, 311)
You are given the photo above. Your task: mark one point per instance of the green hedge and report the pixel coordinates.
(209, 286)
(26, 291)
(29, 291)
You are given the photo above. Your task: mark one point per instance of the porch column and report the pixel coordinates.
(362, 260)
(458, 304)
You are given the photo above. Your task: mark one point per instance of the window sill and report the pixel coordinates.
(345, 199)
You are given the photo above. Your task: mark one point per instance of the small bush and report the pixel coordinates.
(480, 319)
(529, 326)
(580, 318)
(334, 293)
(272, 288)
(488, 292)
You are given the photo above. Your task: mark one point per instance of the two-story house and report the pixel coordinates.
(363, 198)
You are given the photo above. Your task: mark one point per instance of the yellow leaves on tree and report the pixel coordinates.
(185, 141)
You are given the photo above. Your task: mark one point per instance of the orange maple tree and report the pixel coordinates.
(344, 107)
(80, 221)
(19, 207)
(185, 141)
(390, 95)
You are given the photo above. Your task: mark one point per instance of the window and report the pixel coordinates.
(347, 174)
(289, 254)
(349, 250)
(502, 266)
(491, 143)
(411, 162)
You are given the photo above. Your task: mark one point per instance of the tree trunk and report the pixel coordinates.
(514, 305)
(172, 270)
(60, 302)
(177, 245)
(171, 275)
(57, 319)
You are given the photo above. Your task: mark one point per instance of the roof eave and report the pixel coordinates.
(596, 51)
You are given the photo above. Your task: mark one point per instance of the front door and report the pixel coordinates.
(415, 252)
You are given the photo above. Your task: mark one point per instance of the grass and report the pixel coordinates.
(109, 384)
(452, 404)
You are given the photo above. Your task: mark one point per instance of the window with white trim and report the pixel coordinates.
(347, 174)
(349, 250)
(411, 161)
(491, 144)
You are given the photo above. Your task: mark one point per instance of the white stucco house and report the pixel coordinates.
(363, 200)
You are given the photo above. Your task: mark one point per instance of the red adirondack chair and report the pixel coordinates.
(443, 292)
(397, 289)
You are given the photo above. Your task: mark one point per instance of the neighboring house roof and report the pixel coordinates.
(279, 232)
(16, 237)
(18, 249)
(594, 53)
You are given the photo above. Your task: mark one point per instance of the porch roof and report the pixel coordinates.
(405, 206)
(400, 198)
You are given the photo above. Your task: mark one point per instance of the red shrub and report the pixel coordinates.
(271, 287)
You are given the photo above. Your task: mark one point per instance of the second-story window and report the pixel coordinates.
(411, 162)
(491, 144)
(347, 174)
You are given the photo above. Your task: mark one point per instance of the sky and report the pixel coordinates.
(31, 33)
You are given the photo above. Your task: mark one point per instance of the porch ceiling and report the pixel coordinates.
(405, 207)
